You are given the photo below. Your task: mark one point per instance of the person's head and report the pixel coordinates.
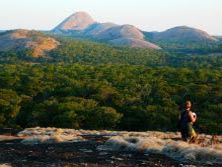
(187, 104)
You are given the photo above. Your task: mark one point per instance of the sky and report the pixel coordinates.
(147, 15)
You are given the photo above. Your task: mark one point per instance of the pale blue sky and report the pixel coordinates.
(148, 15)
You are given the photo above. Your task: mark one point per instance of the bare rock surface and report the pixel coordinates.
(70, 147)
(124, 31)
(35, 41)
(136, 43)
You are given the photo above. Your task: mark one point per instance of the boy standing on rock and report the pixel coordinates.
(186, 120)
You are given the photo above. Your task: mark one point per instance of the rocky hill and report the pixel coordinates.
(81, 24)
(76, 22)
(183, 34)
(124, 31)
(36, 42)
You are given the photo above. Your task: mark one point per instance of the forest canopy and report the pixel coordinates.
(107, 96)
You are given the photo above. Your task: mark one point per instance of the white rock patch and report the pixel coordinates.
(166, 143)
(49, 135)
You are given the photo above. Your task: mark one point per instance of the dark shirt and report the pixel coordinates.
(185, 118)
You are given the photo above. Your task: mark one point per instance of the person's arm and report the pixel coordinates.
(192, 118)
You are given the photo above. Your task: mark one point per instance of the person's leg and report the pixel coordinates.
(185, 137)
(184, 134)
(191, 133)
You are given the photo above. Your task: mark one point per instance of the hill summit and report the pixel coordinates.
(77, 21)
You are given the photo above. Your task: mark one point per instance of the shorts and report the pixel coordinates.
(188, 132)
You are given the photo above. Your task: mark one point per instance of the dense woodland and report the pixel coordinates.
(95, 86)
(87, 52)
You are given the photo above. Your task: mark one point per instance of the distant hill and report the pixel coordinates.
(124, 31)
(76, 22)
(125, 35)
(185, 39)
(183, 33)
(36, 42)
(82, 25)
